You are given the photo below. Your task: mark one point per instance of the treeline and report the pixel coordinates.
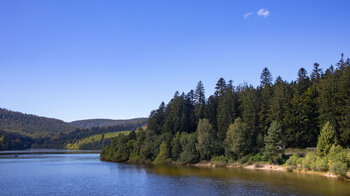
(106, 122)
(63, 138)
(31, 125)
(20, 131)
(14, 141)
(237, 121)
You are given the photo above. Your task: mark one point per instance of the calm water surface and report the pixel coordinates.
(85, 174)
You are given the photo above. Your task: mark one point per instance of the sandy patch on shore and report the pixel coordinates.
(266, 167)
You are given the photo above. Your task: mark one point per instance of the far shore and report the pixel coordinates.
(47, 151)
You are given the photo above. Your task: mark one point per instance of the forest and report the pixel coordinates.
(246, 122)
(20, 131)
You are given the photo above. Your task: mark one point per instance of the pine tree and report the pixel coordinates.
(265, 94)
(156, 119)
(279, 100)
(344, 106)
(220, 87)
(227, 111)
(303, 81)
(248, 100)
(326, 139)
(199, 98)
(316, 73)
(302, 119)
(274, 142)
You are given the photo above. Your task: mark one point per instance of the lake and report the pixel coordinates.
(85, 174)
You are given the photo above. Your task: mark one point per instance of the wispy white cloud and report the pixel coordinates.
(246, 15)
(263, 12)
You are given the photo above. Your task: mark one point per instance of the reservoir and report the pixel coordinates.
(85, 174)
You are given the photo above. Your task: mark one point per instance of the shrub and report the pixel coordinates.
(258, 158)
(293, 161)
(338, 154)
(339, 168)
(219, 160)
(309, 160)
(247, 159)
(135, 159)
(321, 164)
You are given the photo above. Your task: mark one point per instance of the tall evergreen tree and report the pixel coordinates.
(227, 111)
(265, 94)
(156, 119)
(316, 73)
(274, 142)
(303, 81)
(248, 100)
(220, 87)
(199, 97)
(326, 139)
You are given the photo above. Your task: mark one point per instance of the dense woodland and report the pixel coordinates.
(91, 123)
(241, 121)
(20, 131)
(31, 125)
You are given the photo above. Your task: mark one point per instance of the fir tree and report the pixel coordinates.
(326, 139)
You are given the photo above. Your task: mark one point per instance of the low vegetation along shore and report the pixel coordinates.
(251, 127)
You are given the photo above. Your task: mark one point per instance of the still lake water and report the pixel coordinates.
(85, 174)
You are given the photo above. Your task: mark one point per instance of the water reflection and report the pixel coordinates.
(85, 174)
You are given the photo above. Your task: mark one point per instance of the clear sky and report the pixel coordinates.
(85, 59)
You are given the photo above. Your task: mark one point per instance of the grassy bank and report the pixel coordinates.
(95, 141)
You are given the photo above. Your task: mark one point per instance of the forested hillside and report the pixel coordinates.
(31, 125)
(61, 140)
(243, 121)
(21, 131)
(90, 123)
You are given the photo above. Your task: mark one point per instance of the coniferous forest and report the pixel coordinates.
(20, 131)
(242, 122)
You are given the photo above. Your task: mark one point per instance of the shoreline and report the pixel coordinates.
(271, 168)
(256, 166)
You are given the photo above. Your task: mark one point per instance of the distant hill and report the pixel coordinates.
(31, 125)
(107, 122)
(21, 131)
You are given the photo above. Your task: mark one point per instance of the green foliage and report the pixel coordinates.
(237, 139)
(339, 168)
(274, 142)
(326, 139)
(294, 161)
(91, 123)
(14, 141)
(31, 125)
(188, 144)
(336, 161)
(321, 164)
(309, 160)
(260, 141)
(219, 160)
(97, 141)
(237, 122)
(206, 138)
(163, 154)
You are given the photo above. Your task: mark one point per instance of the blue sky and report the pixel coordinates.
(119, 59)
